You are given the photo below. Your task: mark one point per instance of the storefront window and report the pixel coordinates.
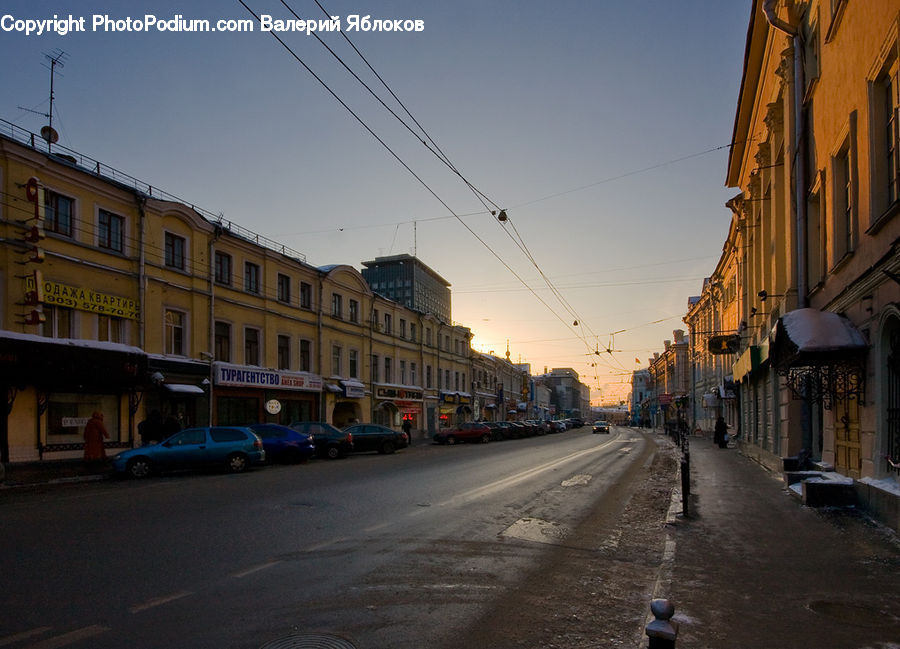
(237, 411)
(67, 415)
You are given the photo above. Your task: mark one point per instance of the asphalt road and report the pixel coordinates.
(396, 551)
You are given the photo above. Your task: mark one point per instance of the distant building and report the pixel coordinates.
(406, 280)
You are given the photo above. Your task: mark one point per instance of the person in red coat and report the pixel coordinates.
(94, 434)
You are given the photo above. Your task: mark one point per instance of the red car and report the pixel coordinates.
(468, 432)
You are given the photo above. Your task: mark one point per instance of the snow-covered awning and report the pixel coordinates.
(183, 388)
(813, 337)
(821, 354)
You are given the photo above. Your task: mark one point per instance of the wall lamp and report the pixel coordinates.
(762, 295)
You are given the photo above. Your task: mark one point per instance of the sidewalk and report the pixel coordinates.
(752, 567)
(56, 472)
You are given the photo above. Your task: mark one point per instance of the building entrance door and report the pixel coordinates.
(847, 457)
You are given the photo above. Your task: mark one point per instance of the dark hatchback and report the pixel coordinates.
(330, 442)
(284, 444)
(372, 437)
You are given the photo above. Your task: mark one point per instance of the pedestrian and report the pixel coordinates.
(151, 429)
(720, 434)
(94, 434)
(407, 428)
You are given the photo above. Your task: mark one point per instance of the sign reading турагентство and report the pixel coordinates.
(241, 376)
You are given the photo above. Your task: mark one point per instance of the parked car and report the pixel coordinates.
(521, 429)
(372, 437)
(284, 444)
(540, 427)
(234, 448)
(468, 432)
(507, 430)
(601, 426)
(330, 442)
(496, 430)
(557, 426)
(575, 422)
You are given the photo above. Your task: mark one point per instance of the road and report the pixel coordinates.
(424, 546)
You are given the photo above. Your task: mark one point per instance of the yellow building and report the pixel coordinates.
(120, 298)
(817, 157)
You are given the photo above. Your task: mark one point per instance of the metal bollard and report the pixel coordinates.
(662, 631)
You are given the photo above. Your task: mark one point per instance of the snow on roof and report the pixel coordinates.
(812, 330)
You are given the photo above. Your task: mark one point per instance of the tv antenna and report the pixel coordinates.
(56, 58)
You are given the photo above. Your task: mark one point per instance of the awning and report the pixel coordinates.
(813, 337)
(331, 387)
(183, 388)
(821, 354)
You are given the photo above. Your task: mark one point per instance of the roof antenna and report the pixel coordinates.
(56, 58)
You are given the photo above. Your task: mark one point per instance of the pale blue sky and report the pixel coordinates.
(530, 100)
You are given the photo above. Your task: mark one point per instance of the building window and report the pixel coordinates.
(284, 352)
(428, 376)
(884, 137)
(284, 288)
(305, 356)
(428, 336)
(223, 342)
(174, 251)
(412, 374)
(175, 332)
(305, 295)
(447, 380)
(251, 346)
(354, 364)
(337, 305)
(251, 278)
(110, 231)
(843, 204)
(402, 372)
(388, 323)
(110, 329)
(891, 89)
(354, 311)
(59, 213)
(374, 368)
(223, 268)
(456, 381)
(402, 328)
(388, 370)
(412, 332)
(58, 322)
(336, 360)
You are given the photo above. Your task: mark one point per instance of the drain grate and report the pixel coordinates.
(854, 614)
(310, 641)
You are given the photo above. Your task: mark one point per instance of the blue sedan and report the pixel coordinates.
(283, 444)
(234, 448)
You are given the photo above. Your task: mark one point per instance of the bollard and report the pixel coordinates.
(661, 631)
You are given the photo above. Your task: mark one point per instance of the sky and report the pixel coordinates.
(600, 127)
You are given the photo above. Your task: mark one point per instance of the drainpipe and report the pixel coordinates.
(211, 339)
(141, 201)
(799, 158)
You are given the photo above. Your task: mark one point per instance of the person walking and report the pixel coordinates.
(407, 428)
(720, 433)
(94, 434)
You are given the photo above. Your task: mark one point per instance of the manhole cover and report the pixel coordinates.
(854, 614)
(310, 641)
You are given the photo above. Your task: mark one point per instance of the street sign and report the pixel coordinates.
(725, 344)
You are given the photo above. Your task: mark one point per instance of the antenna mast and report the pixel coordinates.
(58, 57)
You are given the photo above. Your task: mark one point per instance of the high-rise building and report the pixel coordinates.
(406, 280)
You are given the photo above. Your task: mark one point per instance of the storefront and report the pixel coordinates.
(178, 389)
(456, 408)
(53, 386)
(394, 403)
(246, 395)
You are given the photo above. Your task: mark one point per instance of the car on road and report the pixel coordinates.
(467, 432)
(600, 426)
(330, 441)
(373, 437)
(234, 448)
(284, 444)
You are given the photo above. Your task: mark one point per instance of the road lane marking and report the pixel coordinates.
(503, 483)
(69, 638)
(159, 601)
(24, 635)
(250, 571)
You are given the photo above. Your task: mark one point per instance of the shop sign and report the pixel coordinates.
(273, 406)
(665, 399)
(85, 299)
(726, 344)
(74, 422)
(451, 397)
(397, 393)
(242, 376)
(464, 398)
(352, 391)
